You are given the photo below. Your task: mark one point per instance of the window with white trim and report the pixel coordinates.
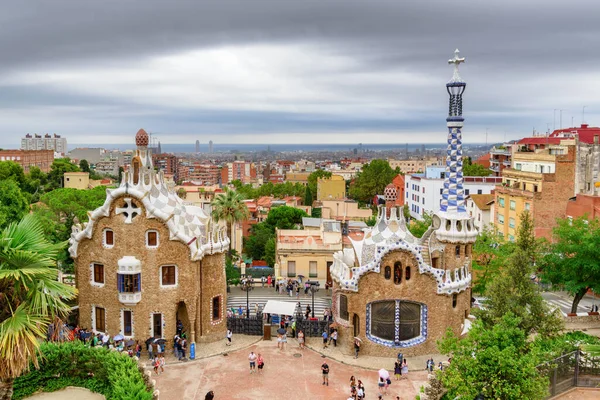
(312, 269)
(97, 273)
(127, 322)
(152, 239)
(99, 319)
(109, 238)
(168, 275)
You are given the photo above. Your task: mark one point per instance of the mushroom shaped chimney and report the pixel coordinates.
(141, 138)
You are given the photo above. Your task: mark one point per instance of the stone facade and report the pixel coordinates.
(420, 289)
(159, 262)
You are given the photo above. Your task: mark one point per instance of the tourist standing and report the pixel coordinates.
(397, 369)
(269, 281)
(161, 362)
(252, 358)
(325, 371)
(156, 364)
(429, 365)
(261, 363)
(324, 335)
(301, 340)
(210, 395)
(405, 369)
(361, 390)
(352, 383)
(308, 310)
(263, 280)
(381, 385)
(333, 337)
(356, 347)
(228, 335)
(183, 347)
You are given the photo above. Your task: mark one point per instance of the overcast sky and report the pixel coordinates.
(294, 71)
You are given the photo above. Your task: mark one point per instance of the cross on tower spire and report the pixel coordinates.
(457, 60)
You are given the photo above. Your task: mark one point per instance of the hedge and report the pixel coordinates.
(110, 373)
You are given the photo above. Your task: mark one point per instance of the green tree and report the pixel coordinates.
(313, 178)
(308, 198)
(255, 244)
(13, 171)
(84, 166)
(229, 207)
(13, 203)
(30, 295)
(232, 274)
(513, 291)
(371, 221)
(490, 253)
(419, 227)
(57, 171)
(270, 251)
(572, 261)
(470, 169)
(285, 217)
(316, 212)
(372, 180)
(494, 361)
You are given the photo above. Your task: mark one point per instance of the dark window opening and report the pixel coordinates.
(454, 300)
(129, 283)
(387, 272)
(157, 325)
(407, 273)
(344, 307)
(216, 308)
(127, 324)
(397, 272)
(457, 251)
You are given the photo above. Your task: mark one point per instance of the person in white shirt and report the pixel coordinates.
(252, 358)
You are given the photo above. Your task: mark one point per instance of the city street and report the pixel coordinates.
(563, 302)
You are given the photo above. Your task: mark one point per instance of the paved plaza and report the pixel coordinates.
(288, 374)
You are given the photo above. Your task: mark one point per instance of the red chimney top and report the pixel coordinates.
(141, 138)
(584, 126)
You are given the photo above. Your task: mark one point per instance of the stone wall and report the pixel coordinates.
(419, 288)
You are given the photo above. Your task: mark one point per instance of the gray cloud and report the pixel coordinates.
(335, 67)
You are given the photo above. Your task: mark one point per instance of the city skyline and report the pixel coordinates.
(294, 72)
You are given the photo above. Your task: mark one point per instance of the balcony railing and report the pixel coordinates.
(500, 151)
(130, 298)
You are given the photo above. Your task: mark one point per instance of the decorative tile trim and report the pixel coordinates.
(397, 343)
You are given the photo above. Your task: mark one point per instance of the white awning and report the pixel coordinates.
(279, 307)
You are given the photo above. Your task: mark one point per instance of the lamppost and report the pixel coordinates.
(314, 287)
(247, 286)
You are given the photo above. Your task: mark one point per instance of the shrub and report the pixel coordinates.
(109, 373)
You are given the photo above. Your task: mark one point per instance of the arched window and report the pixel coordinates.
(397, 272)
(387, 274)
(407, 273)
(454, 300)
(394, 320)
(457, 251)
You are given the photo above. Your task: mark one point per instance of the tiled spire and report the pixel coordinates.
(453, 195)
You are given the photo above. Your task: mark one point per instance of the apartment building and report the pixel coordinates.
(540, 181)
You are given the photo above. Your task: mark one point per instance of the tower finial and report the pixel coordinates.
(457, 60)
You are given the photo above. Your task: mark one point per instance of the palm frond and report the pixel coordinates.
(19, 342)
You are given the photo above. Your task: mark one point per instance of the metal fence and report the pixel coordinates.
(575, 369)
(254, 325)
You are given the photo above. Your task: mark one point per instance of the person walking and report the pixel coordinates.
(324, 335)
(381, 385)
(138, 349)
(361, 390)
(325, 371)
(252, 358)
(283, 341)
(263, 280)
(161, 362)
(356, 347)
(397, 370)
(269, 281)
(228, 335)
(261, 363)
(308, 310)
(156, 364)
